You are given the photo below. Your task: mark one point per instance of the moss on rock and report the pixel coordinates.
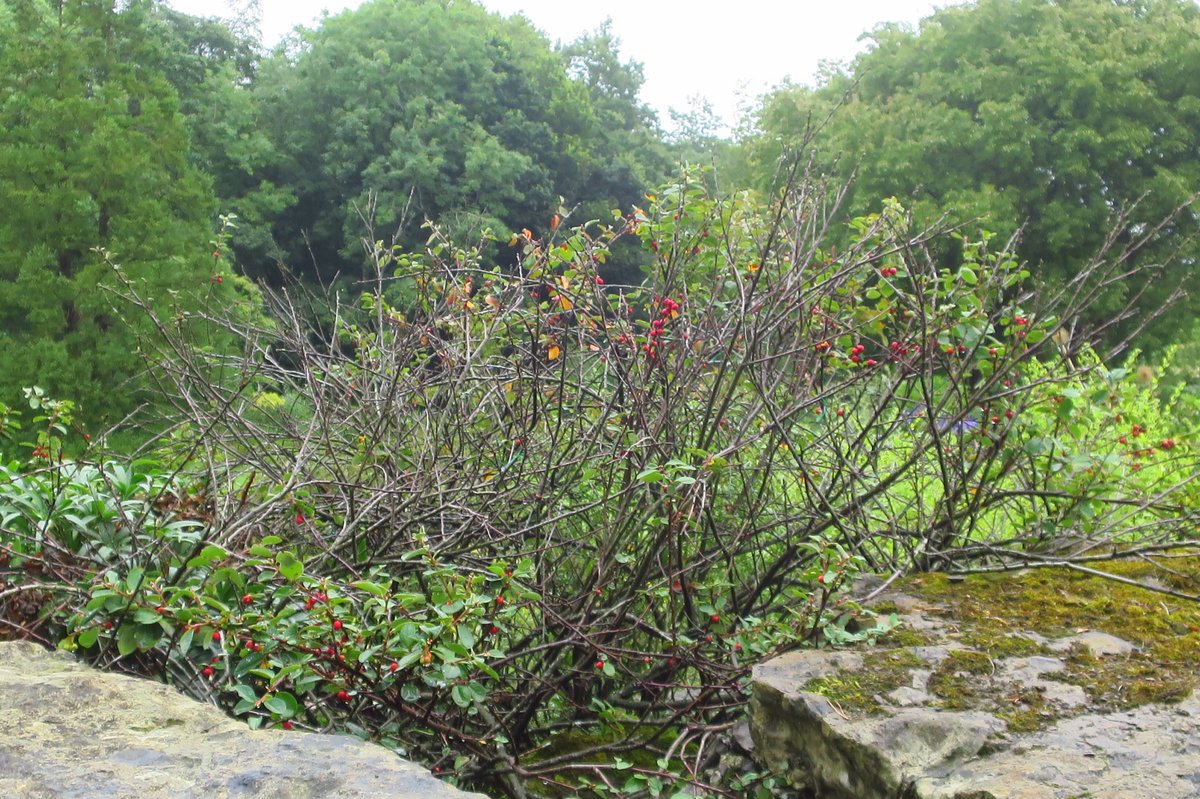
(1059, 602)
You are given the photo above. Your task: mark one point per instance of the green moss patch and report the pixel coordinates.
(955, 681)
(857, 693)
(1057, 602)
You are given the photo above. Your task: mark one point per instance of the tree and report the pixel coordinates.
(403, 111)
(94, 156)
(1049, 114)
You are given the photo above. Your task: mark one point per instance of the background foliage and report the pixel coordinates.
(1043, 116)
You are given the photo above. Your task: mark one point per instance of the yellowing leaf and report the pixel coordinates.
(564, 303)
(553, 352)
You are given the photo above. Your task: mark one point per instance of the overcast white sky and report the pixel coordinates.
(727, 52)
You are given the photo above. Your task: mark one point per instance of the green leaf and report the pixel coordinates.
(127, 639)
(371, 588)
(146, 616)
(289, 566)
(283, 704)
(461, 696)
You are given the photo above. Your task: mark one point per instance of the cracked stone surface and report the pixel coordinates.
(913, 746)
(72, 732)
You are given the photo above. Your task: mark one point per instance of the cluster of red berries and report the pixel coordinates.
(888, 271)
(658, 328)
(313, 599)
(856, 355)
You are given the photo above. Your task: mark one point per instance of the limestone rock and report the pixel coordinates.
(1035, 715)
(72, 732)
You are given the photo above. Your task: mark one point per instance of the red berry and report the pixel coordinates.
(395, 666)
(599, 664)
(217, 635)
(247, 599)
(343, 695)
(299, 518)
(337, 624)
(287, 725)
(208, 671)
(714, 618)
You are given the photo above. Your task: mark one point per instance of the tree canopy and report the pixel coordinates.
(94, 155)
(439, 110)
(1054, 115)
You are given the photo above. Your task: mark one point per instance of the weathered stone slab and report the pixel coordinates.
(1039, 698)
(71, 732)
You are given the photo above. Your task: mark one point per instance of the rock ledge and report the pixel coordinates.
(74, 732)
(964, 702)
